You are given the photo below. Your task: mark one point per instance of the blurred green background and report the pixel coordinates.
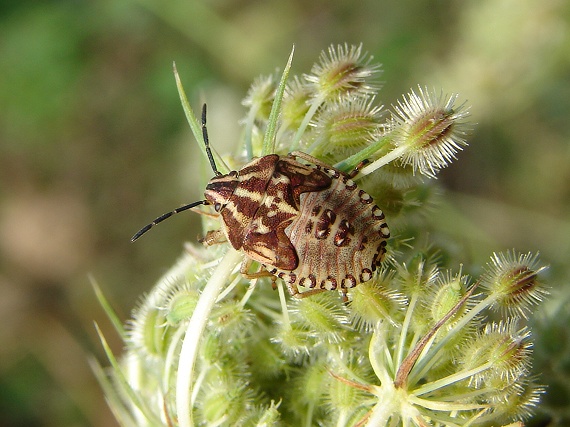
(94, 144)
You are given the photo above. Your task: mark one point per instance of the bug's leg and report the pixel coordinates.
(294, 291)
(359, 166)
(244, 270)
(322, 164)
(205, 213)
(213, 237)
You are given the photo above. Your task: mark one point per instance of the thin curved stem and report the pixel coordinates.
(194, 332)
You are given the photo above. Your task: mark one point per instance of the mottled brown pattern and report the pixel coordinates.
(309, 225)
(354, 245)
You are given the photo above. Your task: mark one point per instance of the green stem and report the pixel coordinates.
(194, 332)
(249, 131)
(316, 148)
(171, 354)
(404, 332)
(377, 347)
(310, 113)
(404, 372)
(444, 382)
(444, 406)
(384, 160)
(458, 326)
(284, 310)
(347, 165)
(386, 407)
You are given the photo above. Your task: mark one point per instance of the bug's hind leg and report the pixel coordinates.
(310, 158)
(322, 164)
(311, 292)
(294, 291)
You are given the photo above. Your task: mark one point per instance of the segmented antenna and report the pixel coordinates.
(207, 142)
(193, 204)
(167, 215)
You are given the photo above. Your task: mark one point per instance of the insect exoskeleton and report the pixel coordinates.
(307, 224)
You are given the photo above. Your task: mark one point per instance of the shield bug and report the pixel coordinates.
(307, 224)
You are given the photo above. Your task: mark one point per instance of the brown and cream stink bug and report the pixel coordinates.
(307, 224)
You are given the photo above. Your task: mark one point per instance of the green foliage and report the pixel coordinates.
(416, 345)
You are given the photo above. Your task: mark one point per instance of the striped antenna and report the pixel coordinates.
(189, 205)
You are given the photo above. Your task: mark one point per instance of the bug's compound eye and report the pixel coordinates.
(217, 207)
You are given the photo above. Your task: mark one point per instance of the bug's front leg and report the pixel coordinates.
(213, 237)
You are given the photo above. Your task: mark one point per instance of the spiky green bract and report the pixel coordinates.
(413, 346)
(343, 70)
(430, 128)
(327, 361)
(513, 281)
(259, 98)
(295, 103)
(375, 301)
(344, 126)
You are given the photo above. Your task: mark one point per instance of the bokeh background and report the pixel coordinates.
(94, 144)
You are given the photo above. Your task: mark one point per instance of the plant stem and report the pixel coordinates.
(384, 160)
(194, 332)
(315, 104)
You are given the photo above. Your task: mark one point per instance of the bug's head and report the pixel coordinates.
(220, 189)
